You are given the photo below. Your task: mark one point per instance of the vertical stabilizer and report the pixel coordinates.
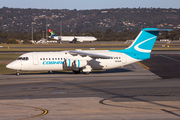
(143, 44)
(52, 33)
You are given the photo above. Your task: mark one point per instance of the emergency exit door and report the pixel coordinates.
(124, 58)
(35, 59)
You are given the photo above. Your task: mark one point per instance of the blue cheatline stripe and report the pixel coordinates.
(69, 62)
(78, 63)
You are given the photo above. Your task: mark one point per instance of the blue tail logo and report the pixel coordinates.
(52, 33)
(143, 44)
(136, 47)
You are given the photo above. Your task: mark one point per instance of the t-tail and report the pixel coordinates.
(52, 33)
(141, 47)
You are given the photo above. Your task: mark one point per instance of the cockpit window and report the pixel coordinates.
(23, 58)
(27, 58)
(20, 58)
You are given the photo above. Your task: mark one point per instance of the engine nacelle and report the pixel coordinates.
(68, 62)
(75, 63)
(79, 63)
(86, 69)
(79, 39)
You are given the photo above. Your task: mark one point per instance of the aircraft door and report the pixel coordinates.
(124, 58)
(21, 64)
(35, 59)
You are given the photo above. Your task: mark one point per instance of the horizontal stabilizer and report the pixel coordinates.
(150, 29)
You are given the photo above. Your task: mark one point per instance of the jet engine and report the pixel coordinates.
(68, 62)
(75, 63)
(79, 63)
(79, 39)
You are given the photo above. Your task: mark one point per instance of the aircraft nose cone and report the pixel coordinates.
(10, 66)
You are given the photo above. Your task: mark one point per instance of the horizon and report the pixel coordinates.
(90, 9)
(90, 5)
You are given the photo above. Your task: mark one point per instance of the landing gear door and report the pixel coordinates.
(35, 59)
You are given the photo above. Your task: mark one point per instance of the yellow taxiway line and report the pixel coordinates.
(144, 65)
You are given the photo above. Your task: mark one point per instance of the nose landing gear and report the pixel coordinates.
(17, 73)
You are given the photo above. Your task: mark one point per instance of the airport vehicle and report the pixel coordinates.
(72, 39)
(87, 60)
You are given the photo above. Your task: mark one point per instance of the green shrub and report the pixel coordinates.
(12, 41)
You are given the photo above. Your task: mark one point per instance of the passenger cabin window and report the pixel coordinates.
(42, 58)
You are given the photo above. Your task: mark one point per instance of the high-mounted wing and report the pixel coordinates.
(92, 55)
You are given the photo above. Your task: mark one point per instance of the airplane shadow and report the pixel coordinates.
(116, 70)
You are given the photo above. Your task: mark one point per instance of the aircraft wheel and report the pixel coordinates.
(17, 73)
(50, 72)
(87, 73)
(76, 72)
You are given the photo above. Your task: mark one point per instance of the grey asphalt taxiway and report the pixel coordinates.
(149, 90)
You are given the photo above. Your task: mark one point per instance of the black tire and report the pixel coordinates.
(87, 73)
(17, 74)
(76, 72)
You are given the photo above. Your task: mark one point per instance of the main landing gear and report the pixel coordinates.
(87, 73)
(78, 72)
(17, 73)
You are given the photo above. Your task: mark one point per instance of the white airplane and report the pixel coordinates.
(72, 39)
(88, 60)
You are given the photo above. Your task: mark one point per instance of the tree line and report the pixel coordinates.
(119, 20)
(109, 35)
